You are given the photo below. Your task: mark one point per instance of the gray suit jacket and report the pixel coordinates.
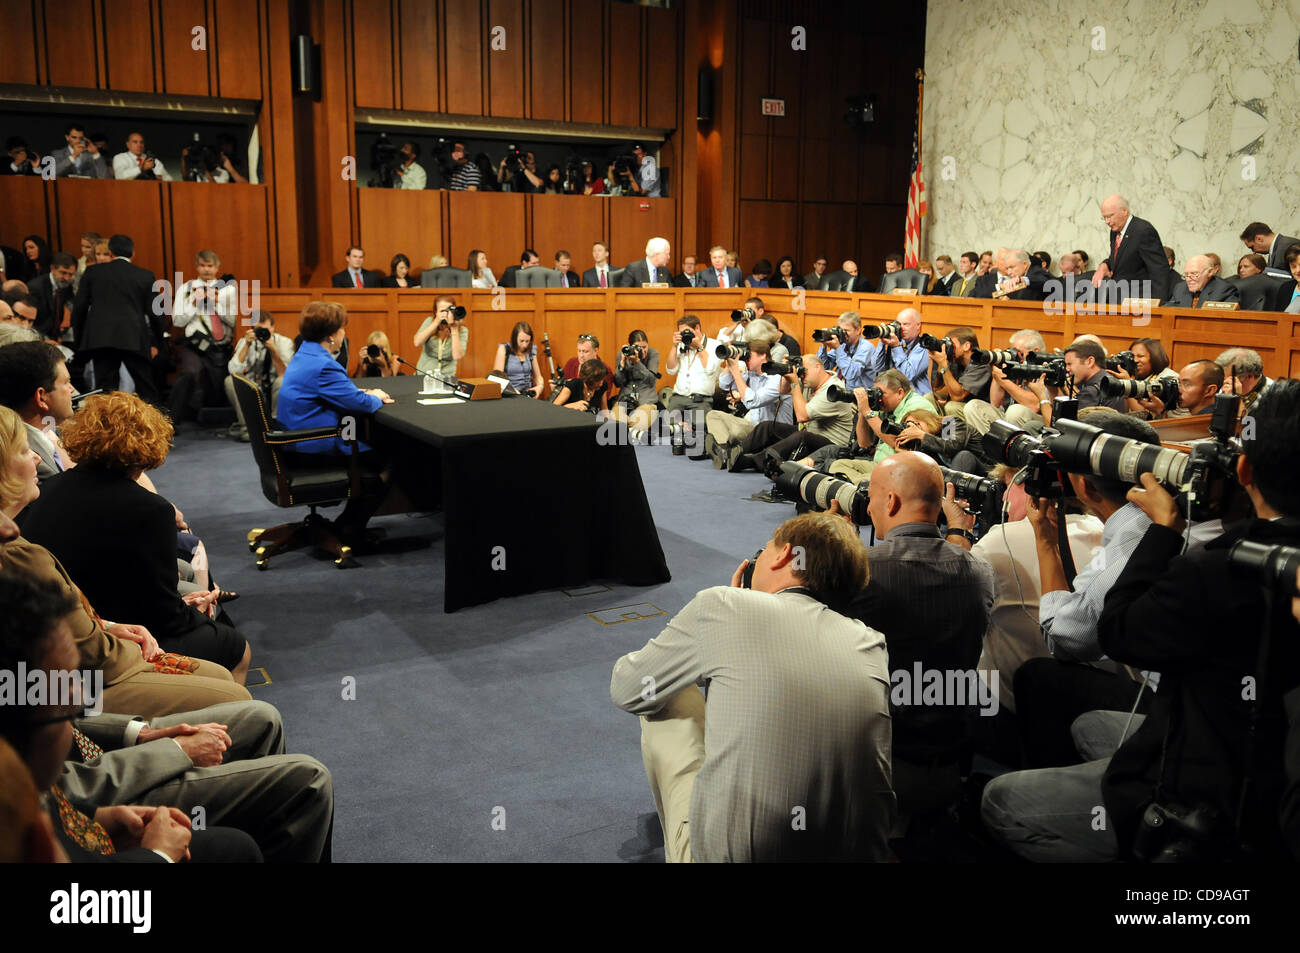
(1215, 290)
(37, 440)
(1278, 258)
(708, 278)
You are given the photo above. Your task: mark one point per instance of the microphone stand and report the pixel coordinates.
(451, 382)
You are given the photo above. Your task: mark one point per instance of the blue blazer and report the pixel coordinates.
(317, 392)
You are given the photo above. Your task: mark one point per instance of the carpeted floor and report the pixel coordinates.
(483, 735)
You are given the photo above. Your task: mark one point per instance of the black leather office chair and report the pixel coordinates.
(289, 479)
(1257, 292)
(445, 278)
(537, 278)
(904, 278)
(614, 275)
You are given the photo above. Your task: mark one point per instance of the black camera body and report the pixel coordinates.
(262, 334)
(629, 349)
(876, 399)
(932, 343)
(840, 394)
(687, 337)
(1125, 360)
(890, 426)
(873, 331)
(1053, 373)
(983, 495)
(743, 314)
(1173, 833)
(822, 335)
(772, 367)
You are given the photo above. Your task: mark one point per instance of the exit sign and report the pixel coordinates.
(773, 107)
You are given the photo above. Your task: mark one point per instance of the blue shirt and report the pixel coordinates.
(858, 364)
(317, 392)
(914, 362)
(763, 397)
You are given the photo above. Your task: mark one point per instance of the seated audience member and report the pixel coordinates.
(733, 259)
(925, 267)
(264, 363)
(23, 307)
(589, 391)
(1199, 285)
(399, 274)
(588, 350)
(1174, 276)
(480, 274)
(563, 265)
(317, 393)
(748, 388)
(54, 294)
(13, 332)
(758, 275)
(138, 676)
(873, 445)
(80, 156)
(1024, 279)
(688, 276)
(118, 539)
(355, 275)
(380, 363)
(1068, 264)
(138, 163)
(1251, 264)
(517, 359)
(88, 241)
(733, 800)
(1245, 374)
(1216, 263)
(1199, 623)
(1082, 257)
(1152, 365)
(1020, 402)
(592, 184)
(469, 175)
(1287, 296)
(442, 339)
(819, 421)
(36, 259)
(35, 384)
(438, 261)
(849, 355)
(963, 285)
(102, 252)
(848, 280)
(528, 259)
(931, 598)
(410, 174)
(598, 275)
(553, 181)
(85, 824)
(697, 367)
(23, 160)
(904, 351)
(945, 275)
(785, 276)
(721, 273)
(954, 377)
(637, 378)
(207, 310)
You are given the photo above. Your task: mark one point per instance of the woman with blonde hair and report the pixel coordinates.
(376, 358)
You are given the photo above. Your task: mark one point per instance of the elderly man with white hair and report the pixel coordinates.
(1243, 374)
(1137, 255)
(653, 269)
(1200, 285)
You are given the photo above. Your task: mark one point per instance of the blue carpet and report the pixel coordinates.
(495, 713)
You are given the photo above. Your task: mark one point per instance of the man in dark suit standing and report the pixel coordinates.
(1136, 253)
(54, 296)
(718, 275)
(1198, 285)
(1260, 239)
(653, 268)
(115, 321)
(354, 275)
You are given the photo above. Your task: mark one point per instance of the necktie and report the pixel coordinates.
(356, 278)
(84, 831)
(1196, 300)
(58, 458)
(722, 279)
(654, 274)
(602, 278)
(1119, 237)
(89, 750)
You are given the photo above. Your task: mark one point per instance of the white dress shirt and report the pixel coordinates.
(127, 166)
(413, 177)
(193, 309)
(697, 371)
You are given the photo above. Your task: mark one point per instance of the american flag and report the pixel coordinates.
(915, 194)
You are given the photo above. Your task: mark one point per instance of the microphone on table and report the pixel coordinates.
(451, 382)
(78, 398)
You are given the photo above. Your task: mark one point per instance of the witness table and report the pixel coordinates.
(530, 500)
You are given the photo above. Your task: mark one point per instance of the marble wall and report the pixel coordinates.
(1037, 110)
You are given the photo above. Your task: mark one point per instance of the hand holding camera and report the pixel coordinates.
(1154, 500)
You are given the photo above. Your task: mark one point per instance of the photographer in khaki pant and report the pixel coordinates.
(760, 395)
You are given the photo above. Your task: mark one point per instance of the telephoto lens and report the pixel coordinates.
(1006, 356)
(837, 393)
(629, 350)
(930, 342)
(773, 367)
(822, 335)
(1166, 389)
(978, 356)
(1274, 566)
(1125, 360)
(1080, 448)
(1009, 444)
(734, 352)
(743, 314)
(873, 331)
(818, 490)
(983, 495)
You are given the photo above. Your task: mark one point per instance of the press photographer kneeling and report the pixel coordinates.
(637, 378)
(754, 394)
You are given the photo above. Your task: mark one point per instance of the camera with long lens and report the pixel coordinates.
(385, 157)
(1005, 356)
(1201, 481)
(1164, 389)
(514, 158)
(262, 334)
(631, 349)
(891, 330)
(1052, 373)
(743, 314)
(1124, 360)
(1273, 565)
(983, 495)
(835, 393)
(732, 352)
(687, 337)
(931, 343)
(774, 367)
(818, 489)
(876, 399)
(573, 179)
(822, 335)
(623, 165)
(1044, 357)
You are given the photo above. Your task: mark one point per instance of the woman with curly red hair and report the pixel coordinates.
(116, 538)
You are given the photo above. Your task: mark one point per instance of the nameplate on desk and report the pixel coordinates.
(904, 291)
(655, 284)
(1131, 303)
(1220, 305)
(477, 388)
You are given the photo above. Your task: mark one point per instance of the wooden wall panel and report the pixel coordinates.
(492, 221)
(507, 89)
(465, 42)
(108, 207)
(633, 222)
(417, 26)
(547, 72)
(661, 67)
(236, 29)
(393, 220)
(229, 219)
(623, 67)
(753, 167)
(754, 58)
(23, 198)
(184, 69)
(372, 51)
(568, 222)
(767, 230)
(587, 60)
(827, 230)
(129, 45)
(72, 55)
(18, 65)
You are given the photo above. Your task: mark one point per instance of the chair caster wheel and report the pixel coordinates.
(263, 564)
(260, 551)
(345, 554)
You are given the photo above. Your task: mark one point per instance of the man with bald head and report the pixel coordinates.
(851, 281)
(1136, 255)
(931, 597)
(1200, 285)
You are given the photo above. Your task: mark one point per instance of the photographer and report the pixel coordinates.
(897, 400)
(22, 160)
(1085, 362)
(637, 378)
(261, 355)
(1152, 365)
(697, 368)
(468, 177)
(646, 180)
(1181, 615)
(904, 351)
(1248, 366)
(410, 174)
(760, 396)
(1020, 402)
(736, 331)
(206, 308)
(81, 157)
(954, 377)
(849, 353)
(137, 162)
(820, 421)
(380, 364)
(525, 178)
(442, 338)
(588, 391)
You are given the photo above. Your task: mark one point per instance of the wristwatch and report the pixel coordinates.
(963, 533)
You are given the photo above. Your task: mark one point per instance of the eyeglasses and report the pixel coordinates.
(72, 715)
(587, 337)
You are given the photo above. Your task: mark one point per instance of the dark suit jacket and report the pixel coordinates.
(943, 288)
(636, 274)
(1035, 290)
(985, 285)
(569, 279)
(1216, 289)
(114, 309)
(796, 281)
(1257, 291)
(1278, 258)
(682, 281)
(390, 281)
(1282, 297)
(508, 279)
(709, 278)
(591, 280)
(369, 279)
(1141, 257)
(47, 321)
